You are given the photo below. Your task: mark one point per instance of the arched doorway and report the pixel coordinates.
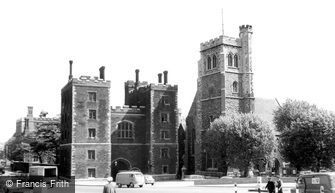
(118, 165)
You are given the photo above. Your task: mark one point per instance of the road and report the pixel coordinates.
(170, 188)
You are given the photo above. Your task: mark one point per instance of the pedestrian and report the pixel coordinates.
(270, 186)
(280, 185)
(109, 187)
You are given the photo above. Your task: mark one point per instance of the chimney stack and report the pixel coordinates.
(70, 76)
(165, 77)
(30, 111)
(102, 72)
(137, 71)
(159, 78)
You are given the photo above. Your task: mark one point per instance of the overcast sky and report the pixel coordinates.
(292, 48)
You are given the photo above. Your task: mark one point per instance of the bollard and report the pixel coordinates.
(259, 181)
(235, 188)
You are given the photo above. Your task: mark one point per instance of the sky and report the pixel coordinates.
(292, 48)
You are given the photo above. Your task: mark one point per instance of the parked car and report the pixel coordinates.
(193, 177)
(149, 179)
(130, 179)
(316, 182)
(226, 177)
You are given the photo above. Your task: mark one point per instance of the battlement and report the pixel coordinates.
(211, 43)
(222, 40)
(45, 119)
(163, 86)
(140, 83)
(128, 109)
(246, 28)
(88, 80)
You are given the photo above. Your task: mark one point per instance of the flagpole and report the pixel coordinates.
(222, 21)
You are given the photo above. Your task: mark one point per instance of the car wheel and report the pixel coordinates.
(152, 184)
(119, 185)
(131, 185)
(140, 186)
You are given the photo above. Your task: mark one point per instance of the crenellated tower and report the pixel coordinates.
(85, 144)
(224, 85)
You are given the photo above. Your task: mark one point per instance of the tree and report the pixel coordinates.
(239, 140)
(17, 149)
(47, 139)
(306, 135)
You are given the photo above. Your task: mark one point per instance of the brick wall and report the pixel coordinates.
(159, 107)
(101, 162)
(170, 161)
(80, 140)
(65, 161)
(135, 154)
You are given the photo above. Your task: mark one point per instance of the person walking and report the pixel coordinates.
(280, 185)
(270, 186)
(109, 187)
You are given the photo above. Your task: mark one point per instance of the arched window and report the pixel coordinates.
(209, 63)
(230, 60)
(235, 60)
(125, 130)
(235, 87)
(214, 61)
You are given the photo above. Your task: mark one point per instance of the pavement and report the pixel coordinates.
(103, 181)
(179, 183)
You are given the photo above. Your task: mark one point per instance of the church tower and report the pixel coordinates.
(225, 84)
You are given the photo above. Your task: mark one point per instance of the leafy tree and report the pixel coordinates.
(239, 140)
(46, 141)
(307, 134)
(17, 149)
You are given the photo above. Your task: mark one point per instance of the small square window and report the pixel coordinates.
(92, 114)
(92, 96)
(91, 154)
(165, 134)
(164, 152)
(91, 172)
(166, 100)
(91, 133)
(164, 117)
(211, 118)
(165, 169)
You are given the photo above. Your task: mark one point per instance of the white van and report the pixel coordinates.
(129, 178)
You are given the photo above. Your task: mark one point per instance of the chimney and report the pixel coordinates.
(159, 78)
(30, 111)
(70, 76)
(165, 77)
(137, 71)
(102, 72)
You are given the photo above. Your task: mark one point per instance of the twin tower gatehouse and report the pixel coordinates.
(98, 140)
